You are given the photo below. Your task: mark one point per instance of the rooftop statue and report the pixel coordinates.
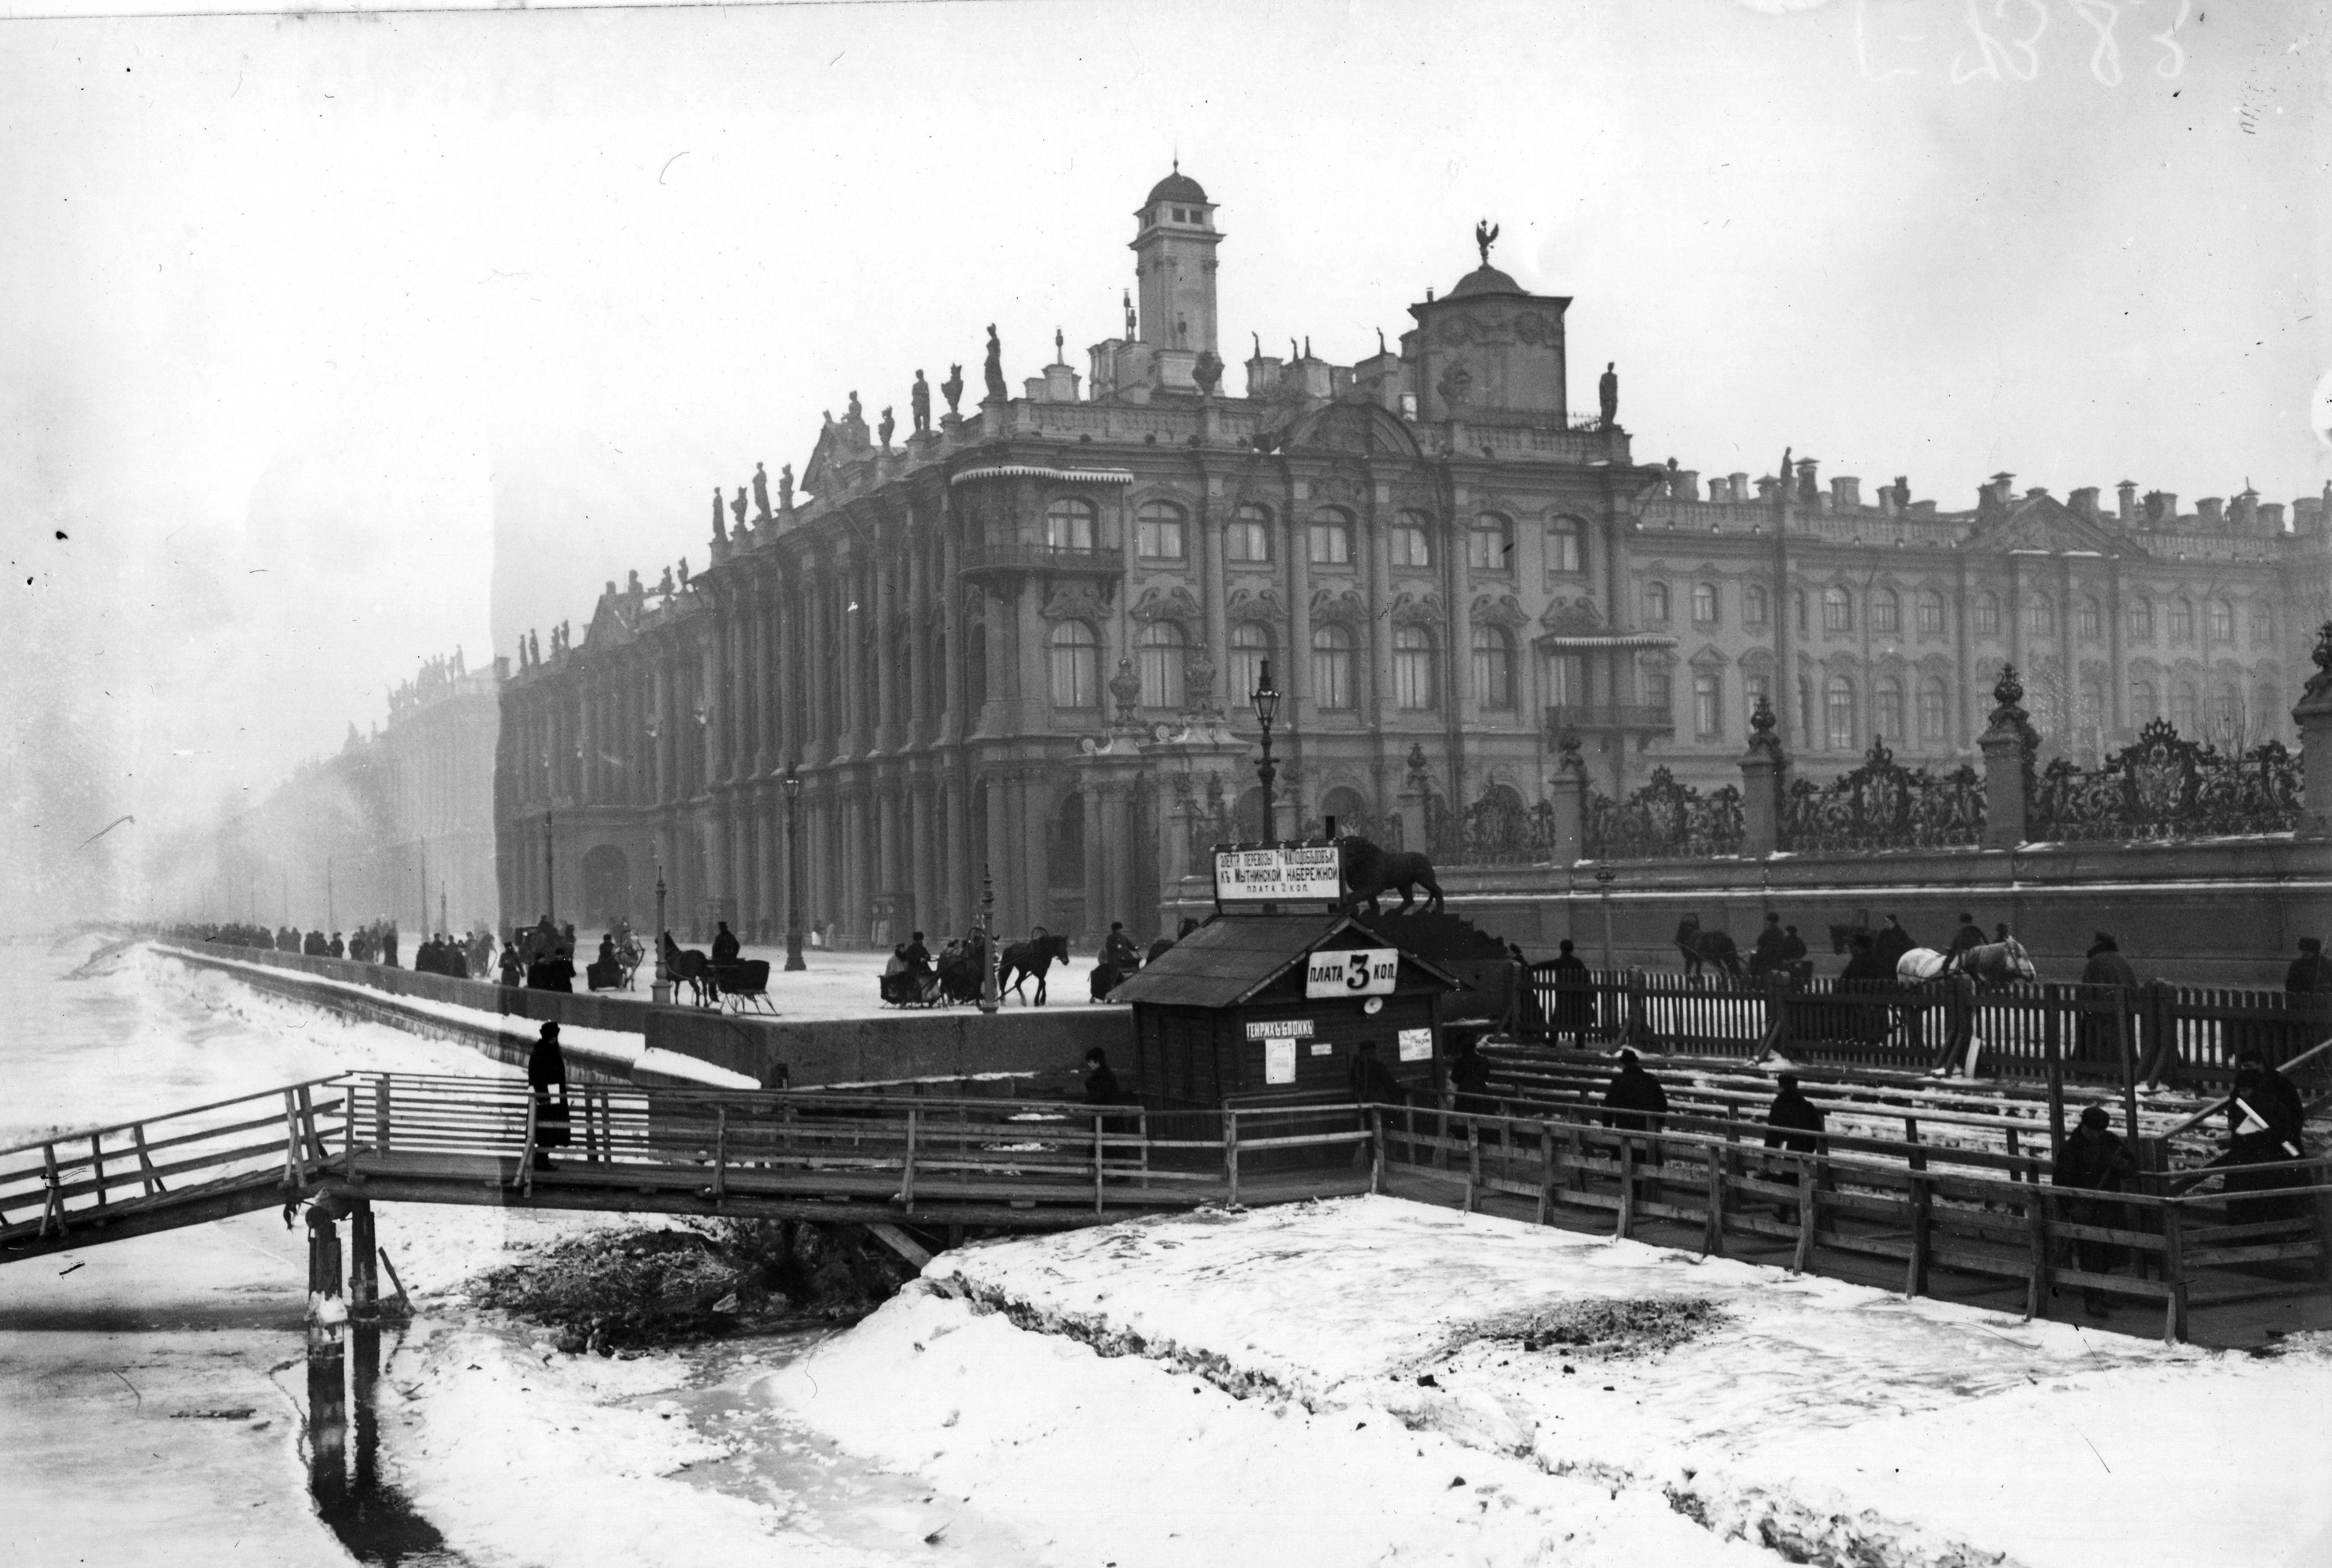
(664, 587)
(718, 530)
(785, 488)
(1607, 393)
(1486, 234)
(738, 506)
(1209, 371)
(994, 369)
(918, 404)
(760, 494)
(884, 429)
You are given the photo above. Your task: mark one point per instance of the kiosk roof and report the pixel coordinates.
(1232, 957)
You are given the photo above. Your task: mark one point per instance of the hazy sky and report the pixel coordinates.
(333, 342)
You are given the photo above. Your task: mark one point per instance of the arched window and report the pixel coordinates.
(1887, 612)
(1566, 679)
(1703, 604)
(1412, 540)
(1886, 708)
(1332, 666)
(1248, 536)
(1798, 609)
(1931, 614)
(1707, 705)
(1805, 709)
(1756, 606)
(2089, 709)
(1494, 669)
(2182, 621)
(1838, 609)
(1346, 805)
(1566, 545)
(1414, 687)
(1075, 659)
(1934, 711)
(1987, 615)
(1659, 695)
(1250, 647)
(1838, 714)
(2140, 616)
(2184, 715)
(1158, 530)
(2226, 713)
(2222, 621)
(2093, 619)
(1069, 523)
(1331, 536)
(1656, 604)
(1158, 654)
(975, 666)
(2262, 626)
(2039, 617)
(2264, 709)
(2144, 701)
(1488, 542)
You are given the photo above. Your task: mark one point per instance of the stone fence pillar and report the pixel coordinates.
(1764, 775)
(2314, 716)
(1566, 795)
(2009, 743)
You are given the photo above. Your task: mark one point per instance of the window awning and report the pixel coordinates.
(1608, 640)
(1031, 470)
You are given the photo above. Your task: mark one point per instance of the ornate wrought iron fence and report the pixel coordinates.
(1498, 829)
(1662, 821)
(2164, 786)
(1883, 805)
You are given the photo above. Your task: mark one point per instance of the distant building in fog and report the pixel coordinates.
(1010, 644)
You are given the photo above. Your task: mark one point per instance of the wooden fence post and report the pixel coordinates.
(97, 1165)
(2174, 1271)
(907, 1169)
(1712, 1239)
(1230, 1155)
(380, 1095)
(1627, 1187)
(1473, 1162)
(1547, 1170)
(1802, 1257)
(53, 1209)
(1098, 1153)
(294, 1168)
(145, 1164)
(2036, 1226)
(1376, 1149)
(1914, 1270)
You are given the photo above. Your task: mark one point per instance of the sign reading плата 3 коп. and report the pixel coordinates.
(1290, 873)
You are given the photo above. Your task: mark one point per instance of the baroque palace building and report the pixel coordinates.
(1016, 645)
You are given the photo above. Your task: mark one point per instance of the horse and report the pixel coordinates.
(958, 973)
(690, 964)
(1714, 947)
(1026, 960)
(1992, 963)
(1369, 870)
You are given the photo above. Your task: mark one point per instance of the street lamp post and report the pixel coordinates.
(1604, 878)
(660, 988)
(550, 891)
(1266, 706)
(793, 872)
(989, 1001)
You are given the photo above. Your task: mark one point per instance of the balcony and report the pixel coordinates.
(1015, 558)
(1610, 719)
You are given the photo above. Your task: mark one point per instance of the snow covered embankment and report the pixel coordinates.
(1826, 1421)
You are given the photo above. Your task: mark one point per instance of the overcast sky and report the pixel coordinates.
(332, 343)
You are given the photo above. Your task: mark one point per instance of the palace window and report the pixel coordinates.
(1756, 606)
(1798, 609)
(2093, 619)
(1703, 604)
(1069, 523)
(2143, 703)
(1887, 612)
(1987, 615)
(2089, 713)
(1932, 712)
(1248, 536)
(1332, 666)
(1075, 654)
(1755, 689)
(1659, 693)
(2262, 626)
(1332, 537)
(1838, 609)
(1656, 604)
(1838, 714)
(1250, 647)
(1887, 707)
(1158, 530)
(2039, 617)
(2226, 715)
(2185, 715)
(1412, 540)
(2182, 621)
(1566, 680)
(1159, 653)
(2140, 616)
(1494, 669)
(1488, 543)
(1931, 614)
(1805, 709)
(1413, 682)
(1708, 710)
(2222, 621)
(1566, 545)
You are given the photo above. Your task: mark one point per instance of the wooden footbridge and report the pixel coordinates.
(1955, 1204)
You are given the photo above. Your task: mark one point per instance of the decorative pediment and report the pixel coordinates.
(823, 473)
(1363, 428)
(1344, 489)
(2044, 523)
(1424, 609)
(1499, 611)
(1346, 606)
(1074, 601)
(1656, 659)
(1758, 660)
(1710, 657)
(1257, 605)
(611, 622)
(1572, 616)
(1167, 604)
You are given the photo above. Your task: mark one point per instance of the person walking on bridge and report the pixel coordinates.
(2101, 1039)
(1798, 1124)
(545, 1070)
(1635, 1103)
(2094, 1160)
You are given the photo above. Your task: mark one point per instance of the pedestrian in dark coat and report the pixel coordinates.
(2308, 973)
(338, 949)
(1469, 1076)
(2265, 1120)
(1890, 943)
(1798, 1124)
(725, 945)
(1574, 996)
(1101, 1083)
(1372, 1085)
(512, 969)
(546, 1075)
(1635, 1103)
(2101, 1040)
(555, 973)
(1969, 934)
(2094, 1160)
(1773, 943)
(388, 947)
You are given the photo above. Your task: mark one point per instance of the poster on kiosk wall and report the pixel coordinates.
(1298, 874)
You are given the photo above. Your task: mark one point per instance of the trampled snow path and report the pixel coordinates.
(1846, 1422)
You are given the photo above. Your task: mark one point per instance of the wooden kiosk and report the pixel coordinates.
(1267, 1002)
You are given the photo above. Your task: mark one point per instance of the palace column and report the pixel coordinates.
(1296, 677)
(1036, 842)
(922, 860)
(1216, 632)
(1000, 839)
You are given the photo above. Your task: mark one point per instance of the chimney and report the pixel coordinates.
(2211, 508)
(1809, 482)
(1997, 492)
(2084, 502)
(1737, 487)
(1846, 494)
(1683, 484)
(2162, 510)
(2127, 491)
(2306, 514)
(2243, 515)
(1766, 486)
(2270, 518)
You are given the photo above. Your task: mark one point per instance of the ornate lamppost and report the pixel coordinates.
(989, 1001)
(549, 890)
(792, 782)
(1604, 878)
(660, 988)
(1265, 697)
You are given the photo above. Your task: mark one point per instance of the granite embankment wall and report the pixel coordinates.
(2202, 913)
(1042, 1044)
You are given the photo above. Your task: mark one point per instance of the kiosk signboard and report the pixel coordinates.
(1281, 873)
(1355, 971)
